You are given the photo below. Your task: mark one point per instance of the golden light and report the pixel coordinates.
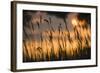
(56, 43)
(82, 22)
(74, 21)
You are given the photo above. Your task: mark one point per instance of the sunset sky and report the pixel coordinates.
(51, 35)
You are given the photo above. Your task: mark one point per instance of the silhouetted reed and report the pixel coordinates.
(57, 44)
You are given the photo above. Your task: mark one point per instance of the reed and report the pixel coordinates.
(57, 44)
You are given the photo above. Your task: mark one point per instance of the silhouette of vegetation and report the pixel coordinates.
(47, 43)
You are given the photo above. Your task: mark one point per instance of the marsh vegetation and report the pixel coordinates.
(55, 36)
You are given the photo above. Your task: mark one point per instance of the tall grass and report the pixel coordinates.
(57, 44)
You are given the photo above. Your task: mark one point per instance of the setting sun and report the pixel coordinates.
(74, 21)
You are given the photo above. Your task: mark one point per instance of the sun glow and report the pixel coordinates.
(74, 21)
(58, 44)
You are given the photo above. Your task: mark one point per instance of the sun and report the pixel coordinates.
(74, 21)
